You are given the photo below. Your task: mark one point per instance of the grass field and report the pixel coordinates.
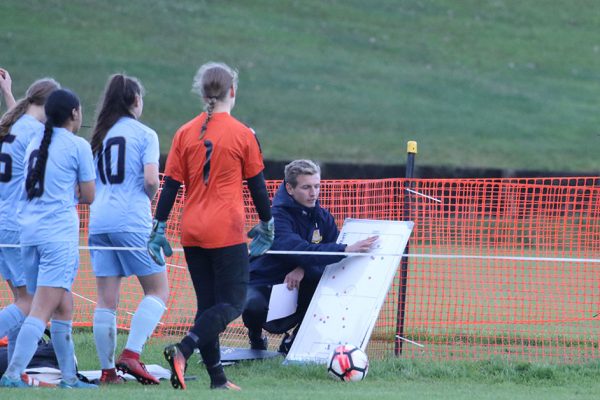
(387, 379)
(495, 83)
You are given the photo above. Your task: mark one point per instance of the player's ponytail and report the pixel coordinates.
(210, 106)
(117, 101)
(59, 109)
(36, 94)
(212, 82)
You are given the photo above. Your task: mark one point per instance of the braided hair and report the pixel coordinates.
(59, 109)
(36, 94)
(212, 82)
(118, 99)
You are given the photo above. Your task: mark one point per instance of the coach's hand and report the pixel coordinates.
(262, 236)
(158, 241)
(362, 246)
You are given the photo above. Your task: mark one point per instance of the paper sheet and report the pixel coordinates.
(283, 302)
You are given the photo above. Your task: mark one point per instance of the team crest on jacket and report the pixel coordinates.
(316, 237)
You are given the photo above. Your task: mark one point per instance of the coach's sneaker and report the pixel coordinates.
(286, 344)
(226, 386)
(110, 377)
(129, 363)
(77, 385)
(178, 364)
(259, 343)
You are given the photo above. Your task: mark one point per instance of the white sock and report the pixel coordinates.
(27, 343)
(61, 333)
(144, 321)
(11, 317)
(105, 336)
(12, 341)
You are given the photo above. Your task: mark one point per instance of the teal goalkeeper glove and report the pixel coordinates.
(158, 242)
(262, 236)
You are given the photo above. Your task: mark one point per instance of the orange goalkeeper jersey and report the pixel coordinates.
(213, 168)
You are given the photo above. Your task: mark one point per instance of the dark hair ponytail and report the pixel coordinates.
(59, 109)
(36, 94)
(119, 97)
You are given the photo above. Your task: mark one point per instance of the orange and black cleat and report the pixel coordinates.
(178, 364)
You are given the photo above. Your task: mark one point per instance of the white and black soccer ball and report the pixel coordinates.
(348, 363)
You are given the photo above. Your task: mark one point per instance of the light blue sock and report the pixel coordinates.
(27, 343)
(10, 318)
(105, 336)
(62, 341)
(12, 341)
(144, 321)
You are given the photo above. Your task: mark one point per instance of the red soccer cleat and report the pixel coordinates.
(129, 363)
(110, 377)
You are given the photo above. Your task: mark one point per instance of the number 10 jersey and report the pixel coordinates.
(121, 204)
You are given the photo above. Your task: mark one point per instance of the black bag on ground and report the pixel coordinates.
(44, 355)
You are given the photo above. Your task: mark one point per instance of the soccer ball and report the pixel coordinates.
(348, 363)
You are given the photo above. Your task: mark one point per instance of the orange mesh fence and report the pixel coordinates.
(497, 268)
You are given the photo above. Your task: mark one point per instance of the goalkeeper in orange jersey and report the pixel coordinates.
(212, 154)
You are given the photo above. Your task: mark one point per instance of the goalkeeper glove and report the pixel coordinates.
(262, 236)
(158, 242)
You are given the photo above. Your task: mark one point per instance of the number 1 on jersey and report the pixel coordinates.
(209, 151)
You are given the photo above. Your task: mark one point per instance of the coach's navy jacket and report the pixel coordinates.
(297, 228)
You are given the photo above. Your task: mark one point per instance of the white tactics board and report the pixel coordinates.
(349, 296)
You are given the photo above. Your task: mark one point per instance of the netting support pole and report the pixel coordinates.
(411, 150)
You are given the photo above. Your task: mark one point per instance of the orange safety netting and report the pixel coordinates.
(521, 299)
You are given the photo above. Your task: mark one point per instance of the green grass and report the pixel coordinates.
(507, 84)
(387, 379)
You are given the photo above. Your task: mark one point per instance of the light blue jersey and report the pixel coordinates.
(121, 204)
(53, 217)
(12, 177)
